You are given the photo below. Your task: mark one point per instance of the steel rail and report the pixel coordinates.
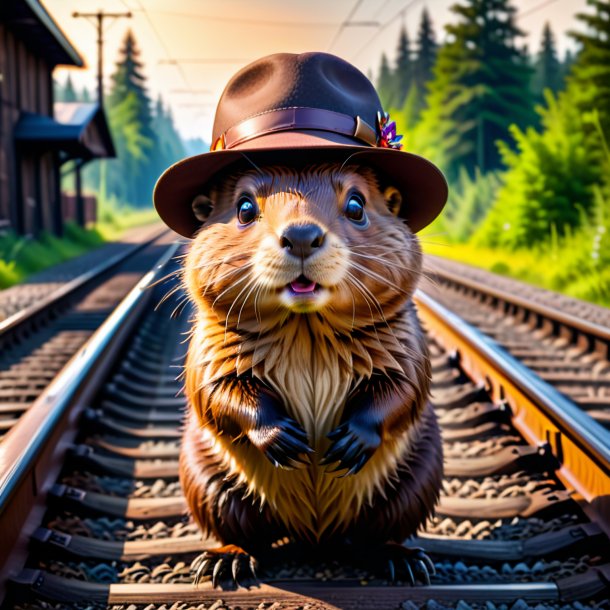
(540, 412)
(31, 458)
(21, 318)
(565, 319)
(345, 594)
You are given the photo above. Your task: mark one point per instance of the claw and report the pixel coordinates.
(253, 568)
(216, 572)
(336, 433)
(422, 570)
(298, 433)
(235, 569)
(361, 462)
(429, 564)
(409, 571)
(292, 446)
(335, 451)
(351, 453)
(356, 467)
(201, 569)
(392, 570)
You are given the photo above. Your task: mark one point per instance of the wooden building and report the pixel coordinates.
(33, 142)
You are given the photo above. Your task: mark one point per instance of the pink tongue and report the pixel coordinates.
(300, 287)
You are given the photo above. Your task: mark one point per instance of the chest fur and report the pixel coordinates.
(313, 370)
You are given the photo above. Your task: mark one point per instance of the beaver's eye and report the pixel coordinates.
(354, 208)
(247, 210)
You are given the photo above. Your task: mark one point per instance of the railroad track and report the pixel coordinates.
(515, 528)
(564, 340)
(37, 341)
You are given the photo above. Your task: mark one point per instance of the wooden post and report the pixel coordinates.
(80, 204)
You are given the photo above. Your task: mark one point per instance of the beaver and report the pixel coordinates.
(307, 372)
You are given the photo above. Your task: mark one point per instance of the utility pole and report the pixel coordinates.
(98, 21)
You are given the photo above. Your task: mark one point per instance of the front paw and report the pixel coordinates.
(353, 444)
(228, 563)
(284, 443)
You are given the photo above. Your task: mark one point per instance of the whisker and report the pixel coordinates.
(250, 282)
(353, 281)
(377, 304)
(165, 277)
(238, 281)
(384, 261)
(373, 275)
(224, 276)
(254, 287)
(167, 295)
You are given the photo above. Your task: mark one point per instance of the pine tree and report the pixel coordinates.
(566, 66)
(131, 176)
(384, 82)
(170, 147)
(426, 50)
(480, 87)
(69, 91)
(402, 76)
(547, 68)
(590, 75)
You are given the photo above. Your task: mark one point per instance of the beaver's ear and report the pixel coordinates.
(202, 207)
(393, 199)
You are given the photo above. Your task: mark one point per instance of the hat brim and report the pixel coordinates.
(422, 185)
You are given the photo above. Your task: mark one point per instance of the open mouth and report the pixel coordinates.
(303, 286)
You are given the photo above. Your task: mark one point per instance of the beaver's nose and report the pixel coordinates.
(302, 240)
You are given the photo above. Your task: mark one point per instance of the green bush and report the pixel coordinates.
(548, 182)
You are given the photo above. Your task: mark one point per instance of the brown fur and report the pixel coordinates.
(357, 357)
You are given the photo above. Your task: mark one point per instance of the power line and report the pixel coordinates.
(343, 24)
(202, 60)
(390, 21)
(192, 91)
(161, 41)
(245, 21)
(535, 8)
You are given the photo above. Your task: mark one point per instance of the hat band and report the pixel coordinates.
(294, 118)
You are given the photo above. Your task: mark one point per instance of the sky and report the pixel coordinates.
(191, 48)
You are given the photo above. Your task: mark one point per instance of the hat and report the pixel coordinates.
(299, 110)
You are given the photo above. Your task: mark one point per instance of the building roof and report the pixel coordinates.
(80, 130)
(31, 22)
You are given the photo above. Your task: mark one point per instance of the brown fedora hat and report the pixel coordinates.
(299, 110)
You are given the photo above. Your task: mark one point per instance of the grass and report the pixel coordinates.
(576, 265)
(22, 256)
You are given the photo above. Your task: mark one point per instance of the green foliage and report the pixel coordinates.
(170, 146)
(548, 184)
(469, 201)
(546, 217)
(426, 50)
(146, 142)
(577, 264)
(403, 90)
(480, 88)
(130, 176)
(566, 65)
(547, 68)
(589, 78)
(403, 73)
(22, 256)
(384, 86)
(69, 91)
